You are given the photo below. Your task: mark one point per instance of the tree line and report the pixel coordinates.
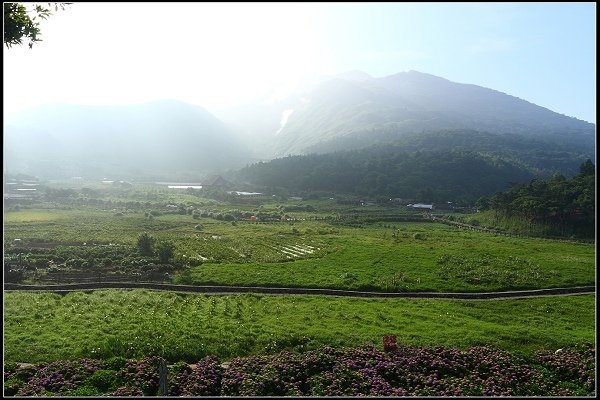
(566, 206)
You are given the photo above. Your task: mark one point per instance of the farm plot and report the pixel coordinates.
(294, 251)
(243, 248)
(278, 249)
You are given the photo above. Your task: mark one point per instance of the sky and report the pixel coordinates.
(217, 55)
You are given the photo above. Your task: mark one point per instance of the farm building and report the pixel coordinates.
(247, 194)
(421, 206)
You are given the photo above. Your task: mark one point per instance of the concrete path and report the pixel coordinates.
(301, 291)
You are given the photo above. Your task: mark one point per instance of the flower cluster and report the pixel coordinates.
(200, 379)
(571, 365)
(366, 370)
(58, 377)
(141, 374)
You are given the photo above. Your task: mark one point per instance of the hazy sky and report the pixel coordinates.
(220, 54)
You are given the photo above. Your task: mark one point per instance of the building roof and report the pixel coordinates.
(420, 205)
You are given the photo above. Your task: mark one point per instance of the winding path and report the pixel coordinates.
(301, 291)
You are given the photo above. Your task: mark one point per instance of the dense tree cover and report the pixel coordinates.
(389, 170)
(567, 205)
(545, 155)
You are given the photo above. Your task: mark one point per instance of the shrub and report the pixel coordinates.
(228, 217)
(103, 380)
(115, 363)
(85, 391)
(12, 386)
(165, 251)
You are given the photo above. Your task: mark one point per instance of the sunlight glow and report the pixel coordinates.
(219, 55)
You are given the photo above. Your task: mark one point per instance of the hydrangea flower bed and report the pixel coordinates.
(367, 370)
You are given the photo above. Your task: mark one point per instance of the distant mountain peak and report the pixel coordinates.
(354, 75)
(412, 74)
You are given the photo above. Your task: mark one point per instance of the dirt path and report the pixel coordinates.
(302, 291)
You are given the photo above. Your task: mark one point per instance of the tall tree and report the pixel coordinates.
(145, 244)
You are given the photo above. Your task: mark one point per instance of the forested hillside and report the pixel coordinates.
(564, 206)
(391, 171)
(543, 156)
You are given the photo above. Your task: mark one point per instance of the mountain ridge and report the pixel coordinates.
(169, 138)
(415, 101)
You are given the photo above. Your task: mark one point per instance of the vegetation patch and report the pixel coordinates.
(326, 371)
(43, 326)
(509, 272)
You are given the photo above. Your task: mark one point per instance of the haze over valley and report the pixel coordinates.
(410, 111)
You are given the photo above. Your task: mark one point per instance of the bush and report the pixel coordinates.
(12, 386)
(228, 217)
(103, 380)
(165, 251)
(85, 391)
(116, 363)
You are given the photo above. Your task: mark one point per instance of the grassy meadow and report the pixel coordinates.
(133, 323)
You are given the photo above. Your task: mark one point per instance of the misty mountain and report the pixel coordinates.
(340, 111)
(409, 111)
(354, 110)
(161, 139)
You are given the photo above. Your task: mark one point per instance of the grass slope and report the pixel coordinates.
(134, 323)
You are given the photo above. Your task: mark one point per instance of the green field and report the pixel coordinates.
(422, 257)
(134, 323)
(318, 244)
(384, 256)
